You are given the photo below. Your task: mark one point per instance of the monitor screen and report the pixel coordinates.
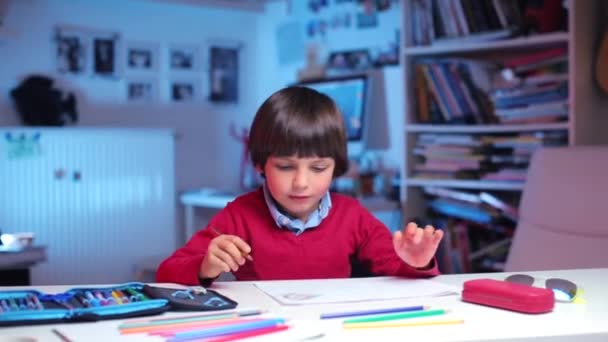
(349, 93)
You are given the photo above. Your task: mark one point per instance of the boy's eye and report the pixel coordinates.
(284, 167)
(319, 168)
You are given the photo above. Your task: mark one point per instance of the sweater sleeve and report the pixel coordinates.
(183, 265)
(377, 252)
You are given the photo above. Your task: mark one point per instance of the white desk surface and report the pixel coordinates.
(567, 322)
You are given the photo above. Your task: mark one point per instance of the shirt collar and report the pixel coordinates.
(296, 225)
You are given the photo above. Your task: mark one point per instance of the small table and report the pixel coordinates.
(218, 199)
(206, 198)
(15, 264)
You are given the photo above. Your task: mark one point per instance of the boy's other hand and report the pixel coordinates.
(225, 253)
(417, 246)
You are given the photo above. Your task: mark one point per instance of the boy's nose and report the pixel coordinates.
(300, 181)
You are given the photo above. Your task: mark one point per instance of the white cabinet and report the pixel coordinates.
(99, 199)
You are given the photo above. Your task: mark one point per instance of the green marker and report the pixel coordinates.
(390, 317)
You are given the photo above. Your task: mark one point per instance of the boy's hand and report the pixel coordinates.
(417, 246)
(225, 253)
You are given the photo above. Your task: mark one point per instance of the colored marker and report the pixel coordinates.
(231, 329)
(371, 312)
(400, 324)
(123, 297)
(247, 334)
(395, 316)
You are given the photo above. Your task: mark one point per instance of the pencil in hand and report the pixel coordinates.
(217, 233)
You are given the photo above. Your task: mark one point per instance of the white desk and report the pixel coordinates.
(568, 321)
(218, 199)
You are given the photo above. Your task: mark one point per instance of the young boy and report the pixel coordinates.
(293, 227)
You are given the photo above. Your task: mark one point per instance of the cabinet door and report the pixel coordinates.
(98, 199)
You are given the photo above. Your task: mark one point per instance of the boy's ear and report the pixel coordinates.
(260, 170)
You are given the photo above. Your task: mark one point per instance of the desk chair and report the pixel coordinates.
(563, 219)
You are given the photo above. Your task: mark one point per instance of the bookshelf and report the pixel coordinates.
(580, 124)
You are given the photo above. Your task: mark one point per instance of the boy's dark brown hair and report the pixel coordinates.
(299, 121)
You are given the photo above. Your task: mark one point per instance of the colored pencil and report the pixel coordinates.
(226, 330)
(61, 335)
(371, 312)
(248, 334)
(170, 331)
(175, 321)
(395, 316)
(212, 314)
(182, 326)
(400, 324)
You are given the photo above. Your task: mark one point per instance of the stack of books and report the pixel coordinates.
(473, 223)
(448, 21)
(496, 157)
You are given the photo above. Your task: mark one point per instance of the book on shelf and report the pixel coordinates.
(532, 88)
(490, 157)
(450, 21)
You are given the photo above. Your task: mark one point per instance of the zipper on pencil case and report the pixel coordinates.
(34, 315)
(125, 308)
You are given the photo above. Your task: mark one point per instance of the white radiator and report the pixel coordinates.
(100, 199)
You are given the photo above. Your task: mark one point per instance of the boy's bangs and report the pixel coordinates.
(306, 144)
(306, 139)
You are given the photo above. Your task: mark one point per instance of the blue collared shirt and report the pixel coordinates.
(296, 225)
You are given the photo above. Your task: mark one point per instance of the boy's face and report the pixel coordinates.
(298, 184)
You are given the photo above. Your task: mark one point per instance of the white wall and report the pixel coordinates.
(205, 153)
(273, 75)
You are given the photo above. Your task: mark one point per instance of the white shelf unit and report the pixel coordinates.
(588, 107)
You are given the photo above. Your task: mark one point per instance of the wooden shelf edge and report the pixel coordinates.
(429, 128)
(513, 43)
(465, 184)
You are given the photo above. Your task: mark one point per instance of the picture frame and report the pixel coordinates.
(141, 90)
(72, 51)
(141, 57)
(106, 52)
(350, 60)
(86, 51)
(224, 72)
(184, 90)
(184, 58)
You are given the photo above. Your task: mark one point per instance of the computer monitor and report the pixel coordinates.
(350, 94)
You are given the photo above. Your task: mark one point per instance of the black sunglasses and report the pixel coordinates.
(564, 290)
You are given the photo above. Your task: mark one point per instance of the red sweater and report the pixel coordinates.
(348, 233)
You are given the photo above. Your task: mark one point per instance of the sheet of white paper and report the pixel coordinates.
(300, 292)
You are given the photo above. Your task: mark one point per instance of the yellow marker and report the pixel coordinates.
(117, 297)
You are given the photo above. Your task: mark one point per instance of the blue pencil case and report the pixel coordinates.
(88, 304)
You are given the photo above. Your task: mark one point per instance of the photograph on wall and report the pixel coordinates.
(223, 74)
(71, 51)
(350, 60)
(140, 56)
(105, 52)
(184, 58)
(141, 90)
(184, 90)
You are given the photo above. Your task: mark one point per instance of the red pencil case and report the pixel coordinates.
(509, 296)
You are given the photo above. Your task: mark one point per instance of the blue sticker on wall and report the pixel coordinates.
(22, 146)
